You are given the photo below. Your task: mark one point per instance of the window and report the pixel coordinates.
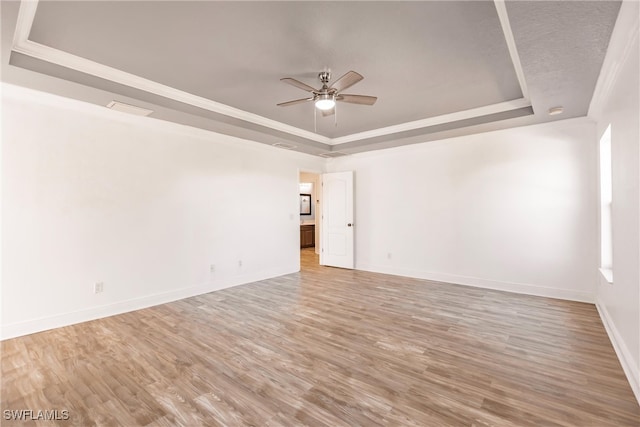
(606, 199)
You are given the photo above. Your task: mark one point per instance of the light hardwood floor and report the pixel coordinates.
(329, 347)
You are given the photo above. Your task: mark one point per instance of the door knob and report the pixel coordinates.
(349, 225)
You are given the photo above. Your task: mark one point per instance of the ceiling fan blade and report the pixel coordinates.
(330, 112)
(298, 84)
(357, 99)
(346, 81)
(294, 102)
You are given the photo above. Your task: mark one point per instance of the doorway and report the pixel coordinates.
(327, 217)
(310, 217)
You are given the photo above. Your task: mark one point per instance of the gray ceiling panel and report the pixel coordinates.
(416, 57)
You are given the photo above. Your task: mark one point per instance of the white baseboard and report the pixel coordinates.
(519, 288)
(622, 351)
(32, 326)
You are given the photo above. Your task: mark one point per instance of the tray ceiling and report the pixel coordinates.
(437, 68)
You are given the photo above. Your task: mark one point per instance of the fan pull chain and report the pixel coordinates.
(335, 115)
(315, 120)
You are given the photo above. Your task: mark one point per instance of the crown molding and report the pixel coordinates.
(83, 65)
(26, 15)
(22, 44)
(625, 33)
(501, 9)
(436, 120)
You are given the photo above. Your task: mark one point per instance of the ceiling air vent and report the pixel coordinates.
(284, 145)
(127, 108)
(332, 154)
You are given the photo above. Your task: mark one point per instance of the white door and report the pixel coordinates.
(337, 219)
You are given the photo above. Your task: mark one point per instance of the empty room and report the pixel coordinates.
(317, 213)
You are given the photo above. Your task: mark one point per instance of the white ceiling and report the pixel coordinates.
(438, 69)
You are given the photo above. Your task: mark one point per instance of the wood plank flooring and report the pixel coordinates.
(328, 347)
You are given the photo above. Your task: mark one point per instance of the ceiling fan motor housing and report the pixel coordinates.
(324, 77)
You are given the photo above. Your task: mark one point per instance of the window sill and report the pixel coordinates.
(607, 273)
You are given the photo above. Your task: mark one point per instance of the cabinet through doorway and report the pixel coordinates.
(307, 236)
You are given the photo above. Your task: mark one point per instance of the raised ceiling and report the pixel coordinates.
(438, 68)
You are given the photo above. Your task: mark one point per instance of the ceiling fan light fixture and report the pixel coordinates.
(325, 102)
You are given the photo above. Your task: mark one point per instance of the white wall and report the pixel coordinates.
(619, 105)
(512, 209)
(144, 206)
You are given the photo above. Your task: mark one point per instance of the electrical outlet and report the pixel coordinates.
(98, 288)
(240, 263)
(212, 268)
(388, 255)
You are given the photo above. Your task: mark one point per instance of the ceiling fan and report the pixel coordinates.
(325, 98)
